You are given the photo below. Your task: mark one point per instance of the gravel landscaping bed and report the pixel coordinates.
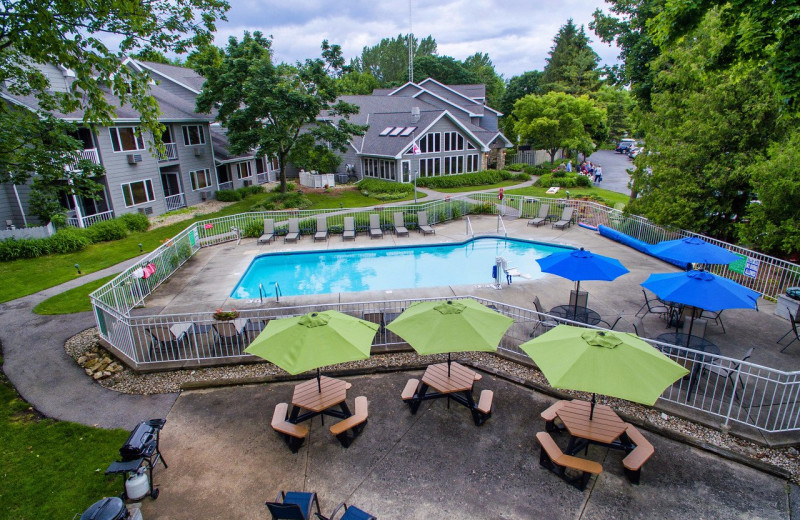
(202, 208)
(85, 350)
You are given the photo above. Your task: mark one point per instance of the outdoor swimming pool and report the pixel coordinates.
(385, 268)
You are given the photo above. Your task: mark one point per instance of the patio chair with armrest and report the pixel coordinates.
(230, 334)
(566, 219)
(350, 513)
(653, 306)
(294, 505)
(697, 326)
(794, 330)
(638, 327)
(581, 296)
(400, 225)
(542, 217)
(322, 228)
(294, 231)
(269, 231)
(349, 232)
(422, 222)
(543, 321)
(610, 324)
(729, 373)
(375, 230)
(716, 317)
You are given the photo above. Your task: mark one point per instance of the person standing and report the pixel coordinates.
(569, 166)
(598, 174)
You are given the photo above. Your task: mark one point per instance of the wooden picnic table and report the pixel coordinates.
(307, 396)
(456, 386)
(605, 428)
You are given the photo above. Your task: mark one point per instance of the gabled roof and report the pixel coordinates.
(220, 142)
(183, 76)
(443, 91)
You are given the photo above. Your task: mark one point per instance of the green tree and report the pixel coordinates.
(773, 223)
(619, 106)
(268, 108)
(204, 57)
(152, 55)
(443, 69)
(388, 60)
(558, 120)
(572, 65)
(706, 128)
(482, 67)
(517, 88)
(354, 82)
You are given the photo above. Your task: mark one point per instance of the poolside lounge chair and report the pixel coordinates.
(163, 337)
(269, 231)
(542, 217)
(350, 513)
(422, 221)
(294, 231)
(375, 226)
(231, 334)
(400, 225)
(349, 229)
(322, 228)
(566, 219)
(294, 505)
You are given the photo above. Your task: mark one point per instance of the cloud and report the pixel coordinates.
(517, 34)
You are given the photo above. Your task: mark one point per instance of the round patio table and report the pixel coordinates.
(583, 314)
(692, 361)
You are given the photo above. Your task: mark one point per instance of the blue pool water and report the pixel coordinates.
(353, 270)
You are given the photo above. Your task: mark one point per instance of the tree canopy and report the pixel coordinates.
(482, 67)
(271, 108)
(443, 69)
(572, 65)
(388, 60)
(558, 120)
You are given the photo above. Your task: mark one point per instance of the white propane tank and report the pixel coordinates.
(138, 485)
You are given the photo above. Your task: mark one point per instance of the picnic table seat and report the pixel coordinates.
(634, 461)
(550, 415)
(293, 434)
(552, 458)
(484, 407)
(355, 423)
(410, 390)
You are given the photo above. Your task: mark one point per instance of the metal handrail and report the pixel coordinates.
(277, 292)
(502, 224)
(261, 292)
(469, 230)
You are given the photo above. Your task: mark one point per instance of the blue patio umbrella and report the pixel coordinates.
(693, 250)
(701, 290)
(579, 265)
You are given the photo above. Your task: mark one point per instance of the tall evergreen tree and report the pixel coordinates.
(481, 65)
(388, 60)
(572, 65)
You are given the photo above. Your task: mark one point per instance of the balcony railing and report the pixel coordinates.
(89, 154)
(175, 202)
(88, 220)
(226, 185)
(170, 153)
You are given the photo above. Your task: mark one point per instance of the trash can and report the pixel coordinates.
(106, 509)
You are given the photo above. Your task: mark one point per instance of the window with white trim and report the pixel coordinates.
(430, 143)
(200, 179)
(243, 170)
(126, 138)
(429, 167)
(193, 135)
(379, 169)
(139, 192)
(453, 141)
(472, 163)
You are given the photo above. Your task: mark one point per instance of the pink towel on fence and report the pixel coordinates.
(149, 270)
(208, 226)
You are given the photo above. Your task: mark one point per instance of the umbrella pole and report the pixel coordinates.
(591, 412)
(691, 326)
(448, 365)
(319, 381)
(577, 292)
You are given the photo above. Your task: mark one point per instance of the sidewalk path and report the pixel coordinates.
(35, 362)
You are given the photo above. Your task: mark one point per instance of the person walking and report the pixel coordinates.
(598, 173)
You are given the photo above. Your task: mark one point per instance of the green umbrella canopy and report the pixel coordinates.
(617, 364)
(314, 340)
(438, 327)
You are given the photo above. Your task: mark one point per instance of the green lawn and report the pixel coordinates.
(74, 300)
(463, 189)
(52, 469)
(348, 199)
(609, 197)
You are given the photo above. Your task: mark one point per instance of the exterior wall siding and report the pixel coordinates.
(55, 75)
(444, 125)
(188, 162)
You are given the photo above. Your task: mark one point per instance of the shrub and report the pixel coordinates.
(373, 186)
(135, 221)
(68, 240)
(538, 170)
(253, 229)
(564, 180)
(516, 167)
(228, 196)
(471, 179)
(246, 191)
(107, 231)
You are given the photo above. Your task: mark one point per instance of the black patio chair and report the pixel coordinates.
(350, 513)
(794, 319)
(610, 324)
(653, 306)
(731, 373)
(294, 505)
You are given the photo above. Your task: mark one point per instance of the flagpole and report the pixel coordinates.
(414, 151)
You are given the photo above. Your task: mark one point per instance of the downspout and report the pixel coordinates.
(19, 203)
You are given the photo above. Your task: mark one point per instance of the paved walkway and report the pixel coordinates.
(37, 365)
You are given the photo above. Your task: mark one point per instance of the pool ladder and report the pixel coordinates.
(502, 224)
(262, 292)
(470, 231)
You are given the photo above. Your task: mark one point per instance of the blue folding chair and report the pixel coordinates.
(350, 513)
(294, 505)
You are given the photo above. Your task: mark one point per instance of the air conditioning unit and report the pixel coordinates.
(146, 211)
(199, 151)
(134, 158)
(204, 195)
(247, 183)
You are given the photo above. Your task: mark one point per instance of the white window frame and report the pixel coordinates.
(473, 164)
(116, 142)
(239, 170)
(150, 194)
(187, 138)
(193, 176)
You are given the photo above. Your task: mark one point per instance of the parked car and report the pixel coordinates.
(624, 144)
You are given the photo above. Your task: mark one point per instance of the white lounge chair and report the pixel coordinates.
(294, 231)
(322, 228)
(269, 231)
(375, 226)
(422, 221)
(349, 232)
(400, 225)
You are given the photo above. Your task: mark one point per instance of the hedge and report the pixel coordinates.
(471, 179)
(564, 180)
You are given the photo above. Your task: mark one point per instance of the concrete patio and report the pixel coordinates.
(225, 461)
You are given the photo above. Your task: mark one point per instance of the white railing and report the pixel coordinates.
(226, 185)
(174, 202)
(88, 220)
(88, 154)
(170, 153)
(317, 180)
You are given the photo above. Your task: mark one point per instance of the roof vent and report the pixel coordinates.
(415, 114)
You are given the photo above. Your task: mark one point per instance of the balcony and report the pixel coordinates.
(88, 220)
(170, 153)
(174, 202)
(89, 154)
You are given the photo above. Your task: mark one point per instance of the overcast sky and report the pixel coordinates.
(517, 34)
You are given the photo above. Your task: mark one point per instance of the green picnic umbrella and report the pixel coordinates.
(314, 340)
(436, 327)
(618, 364)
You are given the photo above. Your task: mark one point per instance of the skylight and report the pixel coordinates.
(387, 130)
(396, 131)
(408, 130)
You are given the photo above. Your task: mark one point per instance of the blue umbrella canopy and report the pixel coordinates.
(693, 250)
(701, 289)
(579, 265)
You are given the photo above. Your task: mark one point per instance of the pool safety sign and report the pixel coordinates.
(746, 266)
